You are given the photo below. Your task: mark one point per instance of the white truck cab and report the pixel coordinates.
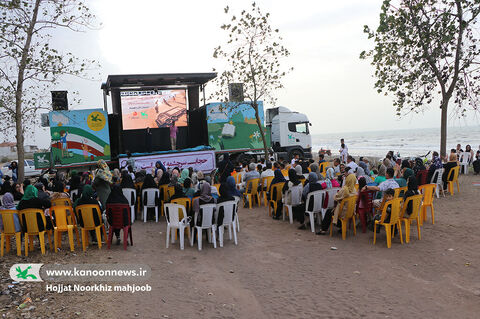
(290, 134)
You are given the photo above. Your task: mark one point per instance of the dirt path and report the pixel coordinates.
(277, 271)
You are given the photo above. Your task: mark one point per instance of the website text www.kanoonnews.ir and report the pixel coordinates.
(131, 278)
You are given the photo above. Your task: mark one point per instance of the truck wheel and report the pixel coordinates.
(292, 154)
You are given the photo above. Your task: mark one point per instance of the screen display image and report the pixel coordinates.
(155, 108)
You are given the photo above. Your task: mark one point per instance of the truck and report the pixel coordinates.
(231, 127)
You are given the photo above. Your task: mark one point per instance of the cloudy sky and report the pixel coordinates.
(329, 83)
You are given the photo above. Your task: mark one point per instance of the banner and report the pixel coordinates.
(202, 161)
(42, 160)
(79, 136)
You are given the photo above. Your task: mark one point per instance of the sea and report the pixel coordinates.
(407, 143)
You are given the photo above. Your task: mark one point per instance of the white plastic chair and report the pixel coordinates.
(464, 162)
(130, 194)
(172, 216)
(207, 224)
(437, 180)
(331, 202)
(237, 204)
(317, 198)
(74, 194)
(296, 194)
(228, 221)
(150, 198)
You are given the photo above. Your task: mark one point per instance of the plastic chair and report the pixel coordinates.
(399, 192)
(30, 221)
(437, 180)
(228, 221)
(237, 204)
(60, 215)
(296, 200)
(365, 197)
(285, 172)
(453, 178)
(350, 215)
(9, 230)
(62, 202)
(415, 215)
(317, 198)
(217, 187)
(170, 192)
(185, 202)
(464, 162)
(238, 179)
(150, 197)
(74, 194)
(428, 191)
(131, 195)
(172, 216)
(323, 168)
(394, 221)
(116, 213)
(275, 192)
(86, 213)
(164, 195)
(207, 211)
(422, 177)
(330, 194)
(251, 192)
(266, 181)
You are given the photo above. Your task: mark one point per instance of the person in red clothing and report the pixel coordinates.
(173, 135)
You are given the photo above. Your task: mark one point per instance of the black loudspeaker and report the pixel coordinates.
(59, 100)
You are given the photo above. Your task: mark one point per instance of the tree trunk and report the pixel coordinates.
(262, 134)
(443, 129)
(19, 94)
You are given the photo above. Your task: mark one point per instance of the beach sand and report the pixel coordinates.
(278, 271)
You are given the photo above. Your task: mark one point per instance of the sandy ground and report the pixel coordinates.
(277, 271)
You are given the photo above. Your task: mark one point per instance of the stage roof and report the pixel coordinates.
(134, 81)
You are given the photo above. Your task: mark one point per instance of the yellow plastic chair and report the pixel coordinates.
(238, 178)
(29, 216)
(428, 191)
(350, 215)
(323, 168)
(394, 221)
(453, 178)
(415, 215)
(277, 190)
(266, 181)
(62, 202)
(356, 187)
(8, 231)
(187, 203)
(170, 192)
(285, 172)
(251, 191)
(60, 213)
(217, 187)
(399, 191)
(86, 212)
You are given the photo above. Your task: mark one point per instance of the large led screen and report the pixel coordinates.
(155, 108)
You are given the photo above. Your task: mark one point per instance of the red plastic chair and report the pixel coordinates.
(422, 177)
(367, 198)
(115, 215)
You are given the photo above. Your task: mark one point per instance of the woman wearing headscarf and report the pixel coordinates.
(359, 172)
(381, 175)
(30, 200)
(312, 186)
(173, 180)
(127, 181)
(330, 179)
(436, 164)
(299, 172)
(187, 188)
(224, 196)
(17, 191)
(277, 178)
(59, 191)
(290, 190)
(8, 203)
(225, 168)
(418, 166)
(102, 181)
(346, 191)
(6, 186)
(232, 186)
(116, 176)
(185, 174)
(205, 197)
(452, 162)
(200, 181)
(315, 169)
(75, 181)
(149, 182)
(412, 190)
(88, 198)
(116, 197)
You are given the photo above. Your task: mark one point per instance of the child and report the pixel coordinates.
(388, 195)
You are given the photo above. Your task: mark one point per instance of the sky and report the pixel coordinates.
(329, 82)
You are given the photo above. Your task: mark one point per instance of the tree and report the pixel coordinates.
(29, 65)
(426, 51)
(252, 54)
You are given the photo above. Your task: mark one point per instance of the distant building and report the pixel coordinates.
(9, 149)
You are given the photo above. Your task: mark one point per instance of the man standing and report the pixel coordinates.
(343, 150)
(148, 140)
(173, 135)
(130, 160)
